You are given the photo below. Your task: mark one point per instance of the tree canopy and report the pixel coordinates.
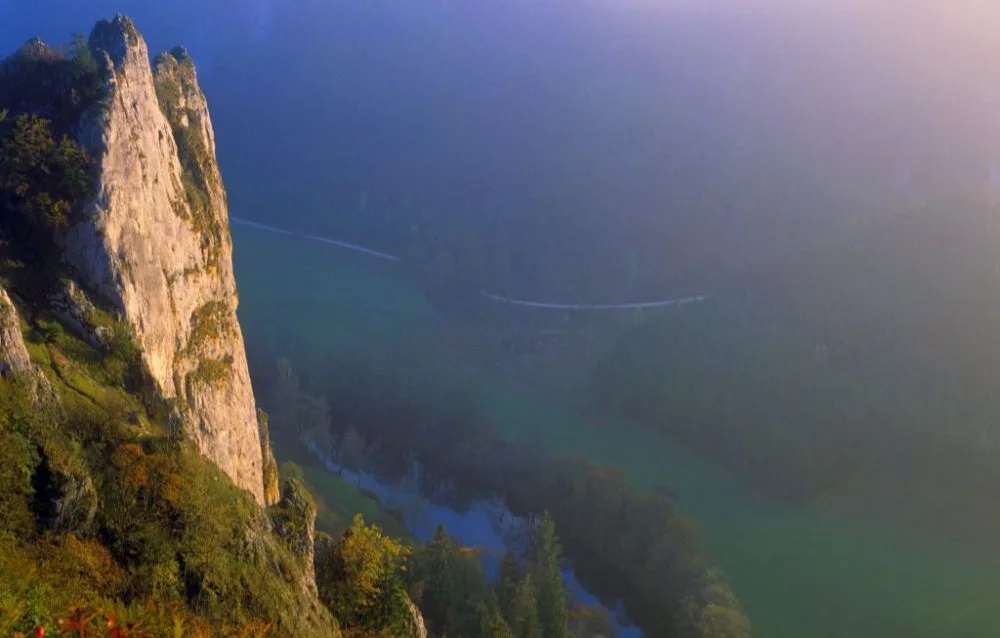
(360, 579)
(43, 178)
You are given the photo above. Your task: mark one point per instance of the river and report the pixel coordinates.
(486, 525)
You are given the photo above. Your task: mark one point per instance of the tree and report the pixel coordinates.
(491, 621)
(44, 179)
(553, 611)
(360, 578)
(523, 615)
(82, 56)
(712, 610)
(452, 585)
(510, 577)
(433, 570)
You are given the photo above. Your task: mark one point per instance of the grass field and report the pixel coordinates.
(801, 572)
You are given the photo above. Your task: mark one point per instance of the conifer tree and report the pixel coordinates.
(491, 621)
(553, 610)
(507, 583)
(434, 566)
(523, 619)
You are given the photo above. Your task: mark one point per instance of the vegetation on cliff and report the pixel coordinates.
(45, 175)
(107, 506)
(180, 100)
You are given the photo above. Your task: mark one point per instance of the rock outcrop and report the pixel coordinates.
(155, 244)
(419, 627)
(272, 491)
(15, 361)
(294, 518)
(74, 310)
(14, 357)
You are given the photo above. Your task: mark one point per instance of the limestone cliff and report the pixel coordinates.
(15, 360)
(419, 627)
(14, 357)
(272, 491)
(155, 244)
(294, 519)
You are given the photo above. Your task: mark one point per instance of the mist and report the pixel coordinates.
(734, 127)
(446, 212)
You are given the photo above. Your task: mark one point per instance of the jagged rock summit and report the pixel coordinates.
(155, 244)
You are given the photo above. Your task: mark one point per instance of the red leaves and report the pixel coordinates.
(114, 631)
(128, 630)
(80, 622)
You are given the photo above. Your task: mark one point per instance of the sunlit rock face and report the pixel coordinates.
(15, 361)
(14, 358)
(155, 244)
(272, 491)
(420, 629)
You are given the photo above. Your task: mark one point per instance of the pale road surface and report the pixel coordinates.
(487, 295)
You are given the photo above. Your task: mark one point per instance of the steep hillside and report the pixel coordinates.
(106, 506)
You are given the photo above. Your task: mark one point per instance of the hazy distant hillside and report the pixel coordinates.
(873, 354)
(680, 141)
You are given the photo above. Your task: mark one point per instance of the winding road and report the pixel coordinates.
(663, 303)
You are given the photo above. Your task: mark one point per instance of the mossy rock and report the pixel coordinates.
(294, 518)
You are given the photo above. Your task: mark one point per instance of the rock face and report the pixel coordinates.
(72, 307)
(419, 628)
(14, 357)
(272, 491)
(156, 244)
(15, 360)
(294, 519)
